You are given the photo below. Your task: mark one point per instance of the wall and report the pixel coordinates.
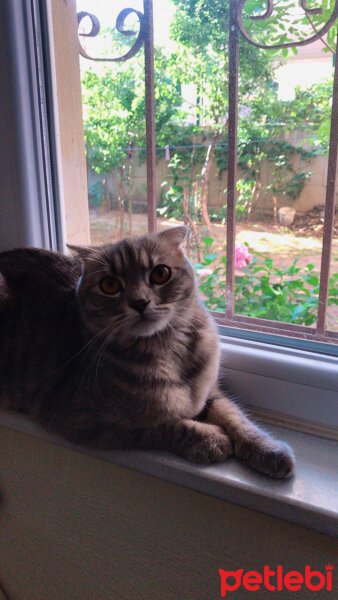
(69, 125)
(313, 193)
(74, 527)
(307, 67)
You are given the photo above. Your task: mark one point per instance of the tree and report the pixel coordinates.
(114, 115)
(201, 30)
(109, 121)
(261, 139)
(289, 23)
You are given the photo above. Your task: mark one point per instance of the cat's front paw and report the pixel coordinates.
(274, 459)
(206, 443)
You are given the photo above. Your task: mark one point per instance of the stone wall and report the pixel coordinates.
(313, 193)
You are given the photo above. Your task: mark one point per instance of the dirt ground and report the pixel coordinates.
(274, 241)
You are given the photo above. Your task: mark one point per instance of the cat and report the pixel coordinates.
(113, 348)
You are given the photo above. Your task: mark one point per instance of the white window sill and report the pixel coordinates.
(309, 498)
(299, 386)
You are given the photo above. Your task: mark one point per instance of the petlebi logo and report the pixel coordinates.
(276, 580)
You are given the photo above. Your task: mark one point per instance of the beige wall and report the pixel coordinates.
(310, 65)
(313, 193)
(74, 527)
(69, 126)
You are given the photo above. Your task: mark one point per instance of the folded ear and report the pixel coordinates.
(175, 235)
(81, 251)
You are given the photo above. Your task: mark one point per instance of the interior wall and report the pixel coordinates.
(74, 527)
(69, 124)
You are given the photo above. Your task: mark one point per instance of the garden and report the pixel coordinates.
(277, 267)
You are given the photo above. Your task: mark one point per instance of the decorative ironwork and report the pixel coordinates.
(310, 11)
(145, 38)
(231, 319)
(268, 13)
(120, 21)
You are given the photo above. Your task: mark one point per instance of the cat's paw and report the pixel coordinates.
(206, 443)
(274, 459)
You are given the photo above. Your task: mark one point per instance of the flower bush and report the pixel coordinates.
(261, 289)
(242, 256)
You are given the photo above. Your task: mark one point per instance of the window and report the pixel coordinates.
(257, 274)
(304, 361)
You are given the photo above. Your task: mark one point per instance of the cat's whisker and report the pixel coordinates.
(100, 353)
(91, 341)
(104, 346)
(92, 360)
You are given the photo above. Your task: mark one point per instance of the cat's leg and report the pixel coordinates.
(252, 445)
(198, 442)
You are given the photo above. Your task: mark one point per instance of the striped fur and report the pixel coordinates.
(93, 368)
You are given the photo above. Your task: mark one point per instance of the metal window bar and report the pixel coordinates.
(236, 29)
(144, 38)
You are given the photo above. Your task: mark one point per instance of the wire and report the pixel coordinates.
(182, 147)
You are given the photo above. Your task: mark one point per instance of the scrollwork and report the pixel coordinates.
(120, 23)
(269, 12)
(310, 11)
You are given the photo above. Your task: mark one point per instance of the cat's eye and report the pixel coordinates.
(110, 285)
(160, 274)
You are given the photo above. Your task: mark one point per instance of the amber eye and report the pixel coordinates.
(160, 274)
(110, 285)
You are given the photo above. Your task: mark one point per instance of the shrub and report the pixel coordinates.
(262, 290)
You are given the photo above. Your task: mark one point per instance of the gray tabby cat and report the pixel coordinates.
(114, 349)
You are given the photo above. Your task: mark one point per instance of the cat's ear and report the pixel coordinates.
(81, 251)
(175, 235)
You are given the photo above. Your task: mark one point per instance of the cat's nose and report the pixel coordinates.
(140, 305)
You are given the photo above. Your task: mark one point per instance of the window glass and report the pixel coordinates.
(284, 111)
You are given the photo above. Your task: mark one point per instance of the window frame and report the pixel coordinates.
(286, 386)
(237, 31)
(29, 209)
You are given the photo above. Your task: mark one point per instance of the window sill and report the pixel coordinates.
(299, 387)
(308, 499)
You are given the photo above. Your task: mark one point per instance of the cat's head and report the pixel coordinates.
(134, 288)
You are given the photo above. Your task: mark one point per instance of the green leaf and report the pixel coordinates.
(210, 257)
(312, 279)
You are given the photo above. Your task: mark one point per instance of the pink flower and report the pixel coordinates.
(242, 256)
(203, 272)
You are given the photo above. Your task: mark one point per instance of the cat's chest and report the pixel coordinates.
(171, 359)
(166, 358)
